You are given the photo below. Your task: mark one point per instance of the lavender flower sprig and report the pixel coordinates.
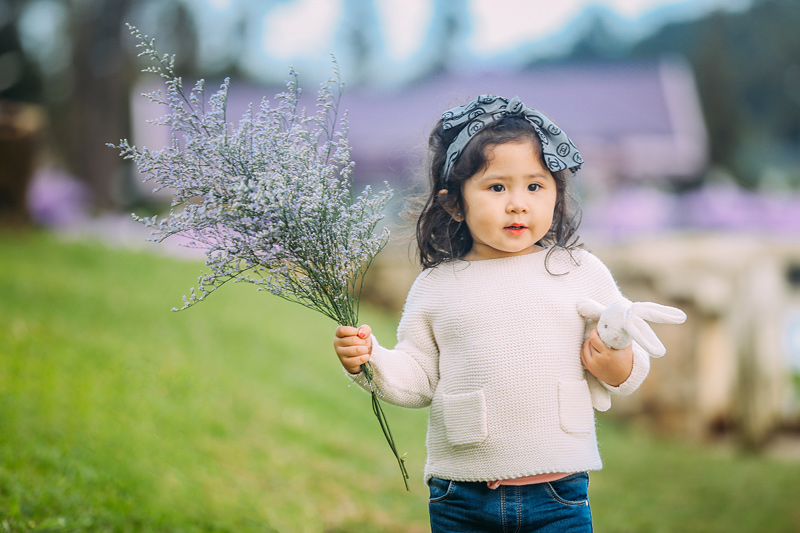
(268, 200)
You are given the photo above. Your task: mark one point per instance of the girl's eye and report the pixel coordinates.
(497, 188)
(533, 187)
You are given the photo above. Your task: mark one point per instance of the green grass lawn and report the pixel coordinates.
(119, 415)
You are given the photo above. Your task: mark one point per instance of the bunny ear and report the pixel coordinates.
(661, 314)
(588, 308)
(642, 334)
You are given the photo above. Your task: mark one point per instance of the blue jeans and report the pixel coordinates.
(472, 507)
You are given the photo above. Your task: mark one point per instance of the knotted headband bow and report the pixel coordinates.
(558, 150)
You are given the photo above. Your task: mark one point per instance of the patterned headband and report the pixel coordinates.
(558, 150)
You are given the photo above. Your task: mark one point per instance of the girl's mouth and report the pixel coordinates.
(516, 229)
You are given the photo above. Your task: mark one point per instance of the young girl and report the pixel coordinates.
(490, 337)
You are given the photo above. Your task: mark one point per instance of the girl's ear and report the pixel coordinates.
(450, 205)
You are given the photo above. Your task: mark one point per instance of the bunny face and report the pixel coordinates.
(611, 325)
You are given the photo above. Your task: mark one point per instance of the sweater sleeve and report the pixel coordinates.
(408, 374)
(607, 292)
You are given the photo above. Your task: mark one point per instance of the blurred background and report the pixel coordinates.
(686, 112)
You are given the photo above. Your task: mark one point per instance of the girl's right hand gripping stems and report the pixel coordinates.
(353, 346)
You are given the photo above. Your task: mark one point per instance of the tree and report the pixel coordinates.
(20, 121)
(88, 103)
(748, 77)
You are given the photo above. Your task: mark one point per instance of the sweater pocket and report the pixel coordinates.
(575, 407)
(465, 417)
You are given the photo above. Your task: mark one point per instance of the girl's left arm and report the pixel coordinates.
(619, 371)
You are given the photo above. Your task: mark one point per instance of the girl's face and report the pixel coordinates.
(509, 205)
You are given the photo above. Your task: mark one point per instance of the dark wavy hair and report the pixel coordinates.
(440, 237)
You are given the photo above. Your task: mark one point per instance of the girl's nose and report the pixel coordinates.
(516, 204)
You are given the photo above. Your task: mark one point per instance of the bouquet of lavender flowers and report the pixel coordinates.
(268, 200)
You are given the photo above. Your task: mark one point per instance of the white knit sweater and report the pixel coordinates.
(493, 347)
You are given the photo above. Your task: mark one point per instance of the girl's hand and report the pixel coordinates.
(606, 364)
(353, 346)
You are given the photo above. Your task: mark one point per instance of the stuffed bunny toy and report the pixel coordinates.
(623, 322)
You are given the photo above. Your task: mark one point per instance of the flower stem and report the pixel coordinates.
(381, 416)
